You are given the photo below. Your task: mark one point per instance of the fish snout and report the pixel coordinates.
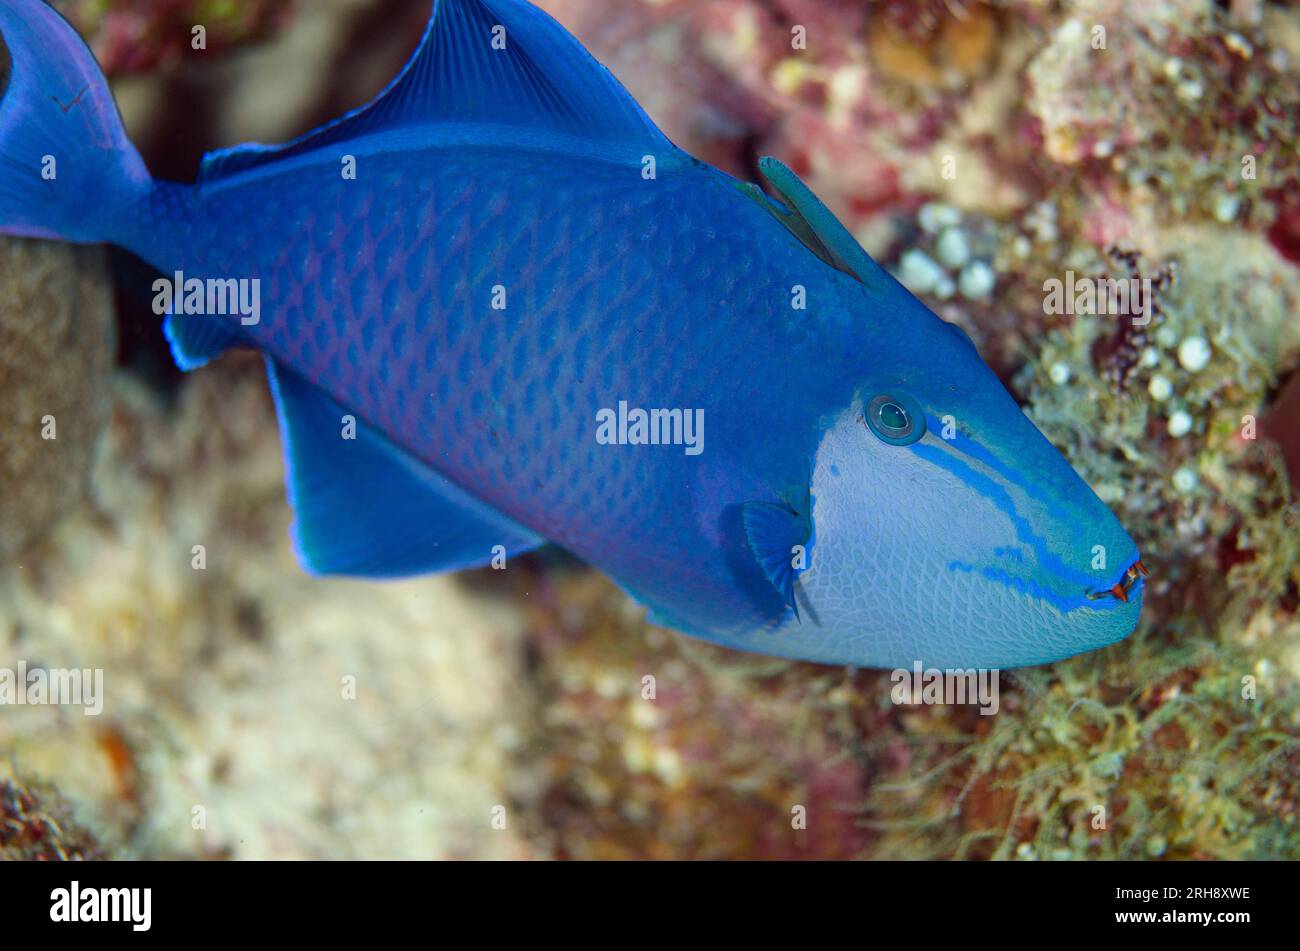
(1119, 591)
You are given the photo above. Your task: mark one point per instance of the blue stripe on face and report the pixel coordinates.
(1023, 585)
(998, 495)
(976, 451)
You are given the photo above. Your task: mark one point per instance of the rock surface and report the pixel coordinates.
(56, 355)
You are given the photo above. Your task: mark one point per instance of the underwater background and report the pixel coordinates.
(978, 150)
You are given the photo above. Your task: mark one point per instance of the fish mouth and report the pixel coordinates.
(1120, 590)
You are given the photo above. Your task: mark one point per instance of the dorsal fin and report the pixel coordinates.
(808, 219)
(499, 62)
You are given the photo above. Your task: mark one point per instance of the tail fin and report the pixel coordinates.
(66, 167)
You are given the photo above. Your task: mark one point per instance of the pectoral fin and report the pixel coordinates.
(778, 537)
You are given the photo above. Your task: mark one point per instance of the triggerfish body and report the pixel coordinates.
(499, 309)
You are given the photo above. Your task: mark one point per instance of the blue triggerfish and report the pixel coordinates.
(499, 308)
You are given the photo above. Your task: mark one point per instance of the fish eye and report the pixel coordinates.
(896, 419)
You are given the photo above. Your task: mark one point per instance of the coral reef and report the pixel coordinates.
(1005, 150)
(250, 710)
(35, 827)
(651, 745)
(980, 151)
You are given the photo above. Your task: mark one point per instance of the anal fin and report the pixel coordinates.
(367, 508)
(196, 339)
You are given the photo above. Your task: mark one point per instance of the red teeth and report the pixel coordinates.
(1121, 589)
